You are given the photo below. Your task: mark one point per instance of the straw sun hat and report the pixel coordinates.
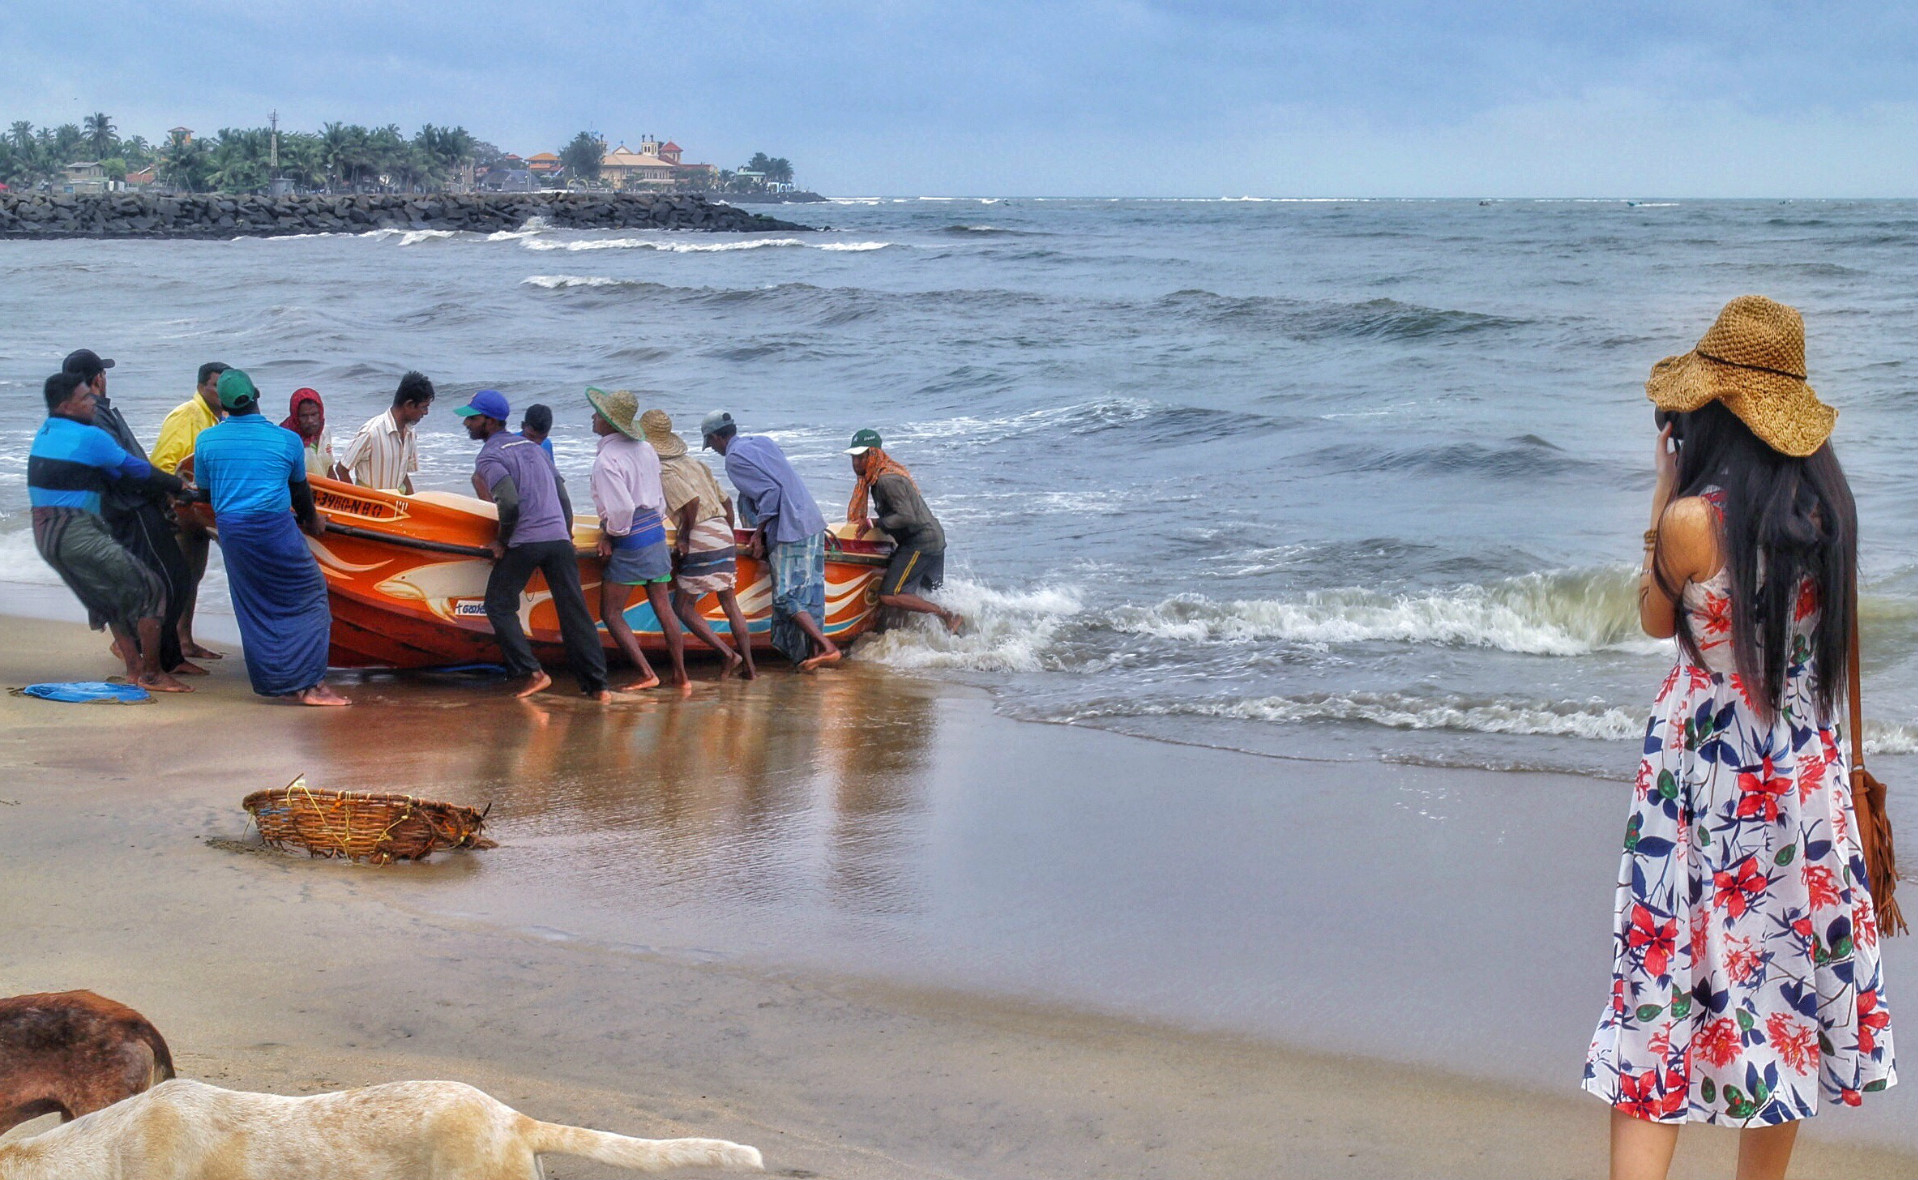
(1753, 360)
(658, 427)
(618, 407)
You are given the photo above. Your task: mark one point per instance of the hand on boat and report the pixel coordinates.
(496, 549)
(603, 548)
(315, 526)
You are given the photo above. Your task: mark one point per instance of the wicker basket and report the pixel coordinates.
(360, 826)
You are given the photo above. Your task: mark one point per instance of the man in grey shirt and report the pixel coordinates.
(535, 533)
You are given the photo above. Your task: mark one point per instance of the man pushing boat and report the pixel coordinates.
(919, 543)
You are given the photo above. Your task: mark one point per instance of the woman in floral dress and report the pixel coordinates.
(1746, 985)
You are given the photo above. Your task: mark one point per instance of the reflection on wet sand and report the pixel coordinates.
(771, 791)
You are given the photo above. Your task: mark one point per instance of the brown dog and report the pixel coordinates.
(73, 1053)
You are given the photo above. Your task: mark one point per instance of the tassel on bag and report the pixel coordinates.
(1868, 802)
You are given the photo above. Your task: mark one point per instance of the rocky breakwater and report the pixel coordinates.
(144, 215)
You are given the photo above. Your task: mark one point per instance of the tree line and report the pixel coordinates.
(340, 157)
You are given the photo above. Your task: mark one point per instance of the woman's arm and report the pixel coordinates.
(1681, 545)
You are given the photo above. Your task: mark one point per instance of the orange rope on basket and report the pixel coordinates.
(362, 826)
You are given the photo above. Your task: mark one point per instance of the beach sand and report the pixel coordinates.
(858, 921)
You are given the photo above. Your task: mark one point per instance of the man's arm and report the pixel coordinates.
(304, 510)
(565, 501)
(683, 526)
(505, 494)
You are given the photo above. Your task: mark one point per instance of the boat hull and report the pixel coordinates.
(406, 581)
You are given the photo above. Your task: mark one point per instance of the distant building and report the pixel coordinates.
(543, 164)
(508, 180)
(183, 134)
(84, 176)
(654, 165)
(142, 178)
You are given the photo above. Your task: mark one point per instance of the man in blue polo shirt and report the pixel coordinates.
(535, 534)
(70, 468)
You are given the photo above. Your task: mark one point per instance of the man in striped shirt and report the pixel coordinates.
(70, 468)
(385, 454)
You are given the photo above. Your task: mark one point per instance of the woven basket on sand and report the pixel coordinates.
(362, 826)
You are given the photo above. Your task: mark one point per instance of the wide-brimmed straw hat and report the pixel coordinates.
(617, 407)
(1753, 360)
(657, 425)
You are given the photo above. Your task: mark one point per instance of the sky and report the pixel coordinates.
(1031, 98)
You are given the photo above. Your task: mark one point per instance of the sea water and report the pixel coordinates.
(1340, 479)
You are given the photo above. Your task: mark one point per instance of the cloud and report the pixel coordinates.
(1086, 96)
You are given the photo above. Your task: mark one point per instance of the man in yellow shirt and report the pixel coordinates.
(173, 454)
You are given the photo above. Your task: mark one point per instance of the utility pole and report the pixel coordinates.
(273, 150)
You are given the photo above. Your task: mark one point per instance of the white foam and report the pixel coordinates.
(1592, 721)
(1006, 631)
(20, 562)
(556, 282)
(1555, 614)
(673, 247)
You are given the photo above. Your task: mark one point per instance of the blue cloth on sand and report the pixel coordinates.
(88, 692)
(279, 596)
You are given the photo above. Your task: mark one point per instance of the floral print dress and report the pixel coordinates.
(1746, 976)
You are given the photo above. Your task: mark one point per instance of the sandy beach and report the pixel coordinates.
(860, 922)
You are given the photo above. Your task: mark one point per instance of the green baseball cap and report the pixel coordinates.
(236, 390)
(865, 440)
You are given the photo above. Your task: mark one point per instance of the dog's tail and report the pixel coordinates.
(162, 1056)
(645, 1155)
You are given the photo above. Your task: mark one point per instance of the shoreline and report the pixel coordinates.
(562, 978)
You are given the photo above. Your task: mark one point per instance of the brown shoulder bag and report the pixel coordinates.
(1868, 802)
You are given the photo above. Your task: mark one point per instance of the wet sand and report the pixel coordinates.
(856, 920)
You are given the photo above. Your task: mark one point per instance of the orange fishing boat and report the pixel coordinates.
(406, 578)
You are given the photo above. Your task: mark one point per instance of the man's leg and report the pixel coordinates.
(686, 606)
(660, 595)
(825, 651)
(742, 632)
(612, 612)
(576, 628)
(196, 545)
(503, 589)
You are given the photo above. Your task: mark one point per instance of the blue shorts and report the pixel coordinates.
(640, 565)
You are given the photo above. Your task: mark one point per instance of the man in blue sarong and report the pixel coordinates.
(789, 534)
(255, 473)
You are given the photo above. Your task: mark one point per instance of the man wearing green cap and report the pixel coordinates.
(255, 474)
(919, 544)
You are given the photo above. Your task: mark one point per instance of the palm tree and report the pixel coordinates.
(21, 135)
(99, 134)
(582, 156)
(779, 170)
(185, 165)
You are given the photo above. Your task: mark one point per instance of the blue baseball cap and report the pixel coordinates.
(489, 402)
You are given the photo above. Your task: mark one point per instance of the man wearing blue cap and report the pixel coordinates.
(535, 533)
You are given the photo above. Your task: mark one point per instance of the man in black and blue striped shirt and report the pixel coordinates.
(72, 466)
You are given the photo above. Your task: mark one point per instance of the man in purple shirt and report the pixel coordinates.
(535, 533)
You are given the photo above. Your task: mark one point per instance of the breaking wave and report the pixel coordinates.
(1006, 631)
(669, 247)
(1591, 720)
(1570, 613)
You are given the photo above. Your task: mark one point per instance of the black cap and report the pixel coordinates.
(86, 362)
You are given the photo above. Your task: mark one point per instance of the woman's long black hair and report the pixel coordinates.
(1787, 521)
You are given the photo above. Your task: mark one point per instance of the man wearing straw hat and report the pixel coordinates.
(535, 535)
(703, 548)
(789, 534)
(632, 533)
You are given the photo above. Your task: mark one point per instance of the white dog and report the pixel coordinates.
(184, 1130)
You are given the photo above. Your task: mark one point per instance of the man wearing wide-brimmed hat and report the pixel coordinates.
(632, 533)
(703, 549)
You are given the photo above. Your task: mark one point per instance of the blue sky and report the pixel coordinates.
(1025, 97)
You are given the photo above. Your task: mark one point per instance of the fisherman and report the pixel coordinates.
(703, 548)
(632, 533)
(255, 474)
(919, 544)
(536, 424)
(385, 454)
(535, 534)
(306, 417)
(70, 466)
(789, 534)
(173, 452)
(139, 515)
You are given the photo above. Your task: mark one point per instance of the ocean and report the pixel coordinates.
(1344, 479)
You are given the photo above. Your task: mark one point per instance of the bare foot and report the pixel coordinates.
(194, 651)
(830, 656)
(734, 662)
(161, 682)
(641, 685)
(537, 682)
(954, 621)
(603, 696)
(748, 672)
(320, 696)
(185, 669)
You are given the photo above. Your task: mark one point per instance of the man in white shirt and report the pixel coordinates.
(385, 453)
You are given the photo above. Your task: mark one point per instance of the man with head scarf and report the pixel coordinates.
(256, 476)
(138, 513)
(918, 562)
(306, 417)
(789, 535)
(173, 452)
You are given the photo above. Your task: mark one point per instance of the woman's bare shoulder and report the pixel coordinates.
(1688, 538)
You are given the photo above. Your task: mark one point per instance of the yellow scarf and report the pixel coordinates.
(878, 463)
